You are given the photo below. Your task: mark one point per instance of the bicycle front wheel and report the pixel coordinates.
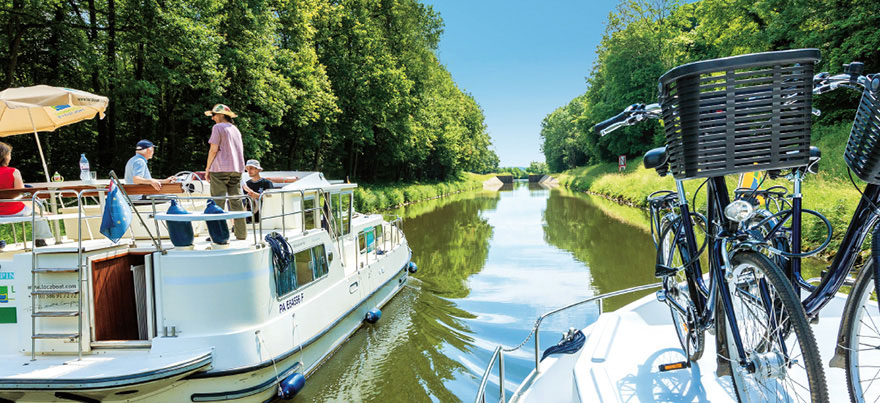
(863, 339)
(781, 361)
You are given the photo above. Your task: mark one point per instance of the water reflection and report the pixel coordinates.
(619, 255)
(489, 264)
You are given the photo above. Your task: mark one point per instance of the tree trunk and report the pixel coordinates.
(109, 148)
(291, 149)
(319, 150)
(96, 84)
(16, 32)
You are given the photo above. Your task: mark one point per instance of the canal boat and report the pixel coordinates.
(618, 358)
(151, 318)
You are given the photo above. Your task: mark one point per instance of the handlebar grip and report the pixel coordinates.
(620, 117)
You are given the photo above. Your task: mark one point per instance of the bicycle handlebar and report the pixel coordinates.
(631, 115)
(615, 121)
(850, 78)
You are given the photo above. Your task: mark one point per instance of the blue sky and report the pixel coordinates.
(520, 60)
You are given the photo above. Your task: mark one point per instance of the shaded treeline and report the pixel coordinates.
(645, 38)
(350, 87)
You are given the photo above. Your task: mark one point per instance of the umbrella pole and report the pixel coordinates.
(54, 206)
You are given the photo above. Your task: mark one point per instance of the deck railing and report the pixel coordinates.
(500, 350)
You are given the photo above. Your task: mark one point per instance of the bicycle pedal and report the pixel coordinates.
(661, 271)
(814, 320)
(673, 366)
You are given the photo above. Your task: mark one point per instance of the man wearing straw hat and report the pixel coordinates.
(226, 161)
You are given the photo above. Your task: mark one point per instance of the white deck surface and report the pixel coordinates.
(619, 361)
(111, 368)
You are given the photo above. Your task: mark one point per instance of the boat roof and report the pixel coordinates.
(309, 180)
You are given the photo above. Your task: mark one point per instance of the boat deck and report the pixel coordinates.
(619, 361)
(110, 368)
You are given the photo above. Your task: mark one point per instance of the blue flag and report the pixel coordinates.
(117, 214)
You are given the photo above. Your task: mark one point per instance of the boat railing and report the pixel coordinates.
(319, 195)
(257, 225)
(35, 270)
(498, 355)
(391, 237)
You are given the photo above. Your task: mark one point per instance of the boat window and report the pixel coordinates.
(308, 205)
(320, 259)
(378, 231)
(367, 240)
(362, 242)
(307, 265)
(285, 279)
(346, 212)
(304, 272)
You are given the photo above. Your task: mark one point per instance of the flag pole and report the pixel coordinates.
(156, 242)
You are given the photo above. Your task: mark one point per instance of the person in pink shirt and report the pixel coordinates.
(226, 162)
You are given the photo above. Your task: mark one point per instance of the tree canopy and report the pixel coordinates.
(645, 38)
(350, 87)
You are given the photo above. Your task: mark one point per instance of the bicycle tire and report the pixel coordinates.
(862, 337)
(691, 337)
(773, 373)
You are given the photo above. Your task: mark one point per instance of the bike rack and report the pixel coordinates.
(500, 350)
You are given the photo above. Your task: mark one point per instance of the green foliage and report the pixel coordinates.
(537, 168)
(516, 172)
(376, 197)
(643, 39)
(352, 87)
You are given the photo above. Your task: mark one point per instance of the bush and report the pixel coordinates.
(394, 197)
(410, 194)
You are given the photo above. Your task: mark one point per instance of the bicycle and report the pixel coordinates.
(765, 342)
(858, 341)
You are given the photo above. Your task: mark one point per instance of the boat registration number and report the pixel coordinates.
(290, 302)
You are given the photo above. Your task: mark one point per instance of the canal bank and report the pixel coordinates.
(370, 198)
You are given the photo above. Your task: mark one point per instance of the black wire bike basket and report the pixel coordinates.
(863, 147)
(739, 114)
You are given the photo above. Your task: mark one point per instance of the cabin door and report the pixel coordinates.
(119, 297)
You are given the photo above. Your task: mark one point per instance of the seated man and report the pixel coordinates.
(136, 170)
(10, 178)
(255, 185)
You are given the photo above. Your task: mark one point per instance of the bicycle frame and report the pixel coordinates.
(864, 218)
(705, 298)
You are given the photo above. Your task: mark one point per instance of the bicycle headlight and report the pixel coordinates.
(739, 211)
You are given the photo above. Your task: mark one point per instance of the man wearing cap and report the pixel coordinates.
(255, 185)
(226, 161)
(136, 170)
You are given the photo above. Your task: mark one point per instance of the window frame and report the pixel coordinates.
(315, 279)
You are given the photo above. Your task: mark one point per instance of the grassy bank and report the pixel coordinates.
(370, 197)
(829, 192)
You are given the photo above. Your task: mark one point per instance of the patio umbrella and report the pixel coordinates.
(42, 108)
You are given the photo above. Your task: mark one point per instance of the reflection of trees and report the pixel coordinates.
(451, 243)
(409, 355)
(619, 255)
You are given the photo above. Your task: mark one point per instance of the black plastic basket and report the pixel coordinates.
(739, 114)
(863, 147)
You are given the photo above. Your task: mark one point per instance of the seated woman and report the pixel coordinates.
(10, 178)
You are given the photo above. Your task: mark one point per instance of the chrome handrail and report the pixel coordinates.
(500, 350)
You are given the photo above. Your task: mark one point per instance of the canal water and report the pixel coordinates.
(489, 264)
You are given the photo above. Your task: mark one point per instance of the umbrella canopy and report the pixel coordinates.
(43, 108)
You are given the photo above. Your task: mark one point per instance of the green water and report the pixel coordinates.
(489, 264)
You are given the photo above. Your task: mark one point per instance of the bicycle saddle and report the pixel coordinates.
(655, 158)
